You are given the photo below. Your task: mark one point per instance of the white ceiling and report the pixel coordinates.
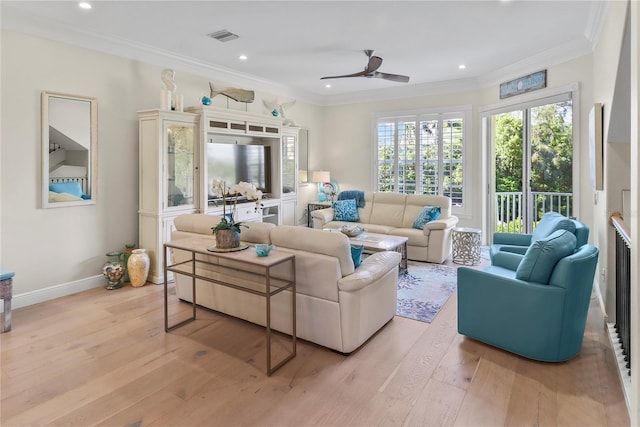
(294, 43)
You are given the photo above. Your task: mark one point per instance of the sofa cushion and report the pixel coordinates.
(428, 213)
(550, 222)
(346, 210)
(416, 237)
(316, 242)
(356, 255)
(388, 209)
(416, 202)
(543, 254)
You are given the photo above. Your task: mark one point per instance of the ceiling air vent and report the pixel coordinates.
(223, 35)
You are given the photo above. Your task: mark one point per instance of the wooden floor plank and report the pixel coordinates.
(102, 358)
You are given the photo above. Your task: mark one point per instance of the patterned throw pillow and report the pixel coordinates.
(428, 213)
(346, 210)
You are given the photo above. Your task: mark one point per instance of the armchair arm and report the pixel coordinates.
(371, 269)
(507, 260)
(515, 239)
(522, 317)
(322, 215)
(441, 224)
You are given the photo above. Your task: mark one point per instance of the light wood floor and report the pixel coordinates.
(102, 358)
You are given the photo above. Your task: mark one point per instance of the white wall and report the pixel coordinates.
(63, 246)
(616, 156)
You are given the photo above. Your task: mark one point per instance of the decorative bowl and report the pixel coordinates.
(262, 249)
(352, 230)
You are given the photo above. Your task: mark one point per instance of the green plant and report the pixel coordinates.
(219, 188)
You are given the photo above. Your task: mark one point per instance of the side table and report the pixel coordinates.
(466, 245)
(6, 293)
(314, 206)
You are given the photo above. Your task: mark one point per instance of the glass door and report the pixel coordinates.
(533, 164)
(180, 165)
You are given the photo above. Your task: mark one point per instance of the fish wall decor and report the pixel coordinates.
(240, 95)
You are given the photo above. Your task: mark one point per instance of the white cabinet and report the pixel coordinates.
(168, 178)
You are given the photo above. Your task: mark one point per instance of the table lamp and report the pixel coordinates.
(325, 187)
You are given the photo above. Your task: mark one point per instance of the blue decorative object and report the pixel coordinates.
(206, 100)
(275, 113)
(346, 210)
(356, 255)
(263, 249)
(428, 213)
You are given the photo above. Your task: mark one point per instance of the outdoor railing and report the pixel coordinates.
(510, 210)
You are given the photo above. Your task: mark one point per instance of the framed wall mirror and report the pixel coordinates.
(69, 150)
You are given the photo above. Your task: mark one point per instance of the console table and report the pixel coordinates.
(241, 270)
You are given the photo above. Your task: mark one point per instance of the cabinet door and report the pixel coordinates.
(289, 167)
(180, 166)
(289, 212)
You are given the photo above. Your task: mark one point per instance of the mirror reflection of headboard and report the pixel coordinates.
(69, 150)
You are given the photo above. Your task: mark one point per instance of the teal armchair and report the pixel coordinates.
(550, 222)
(539, 320)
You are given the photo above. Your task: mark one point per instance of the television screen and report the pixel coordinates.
(237, 162)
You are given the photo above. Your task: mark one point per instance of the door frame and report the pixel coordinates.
(488, 151)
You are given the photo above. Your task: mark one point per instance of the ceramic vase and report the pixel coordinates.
(138, 266)
(227, 239)
(113, 270)
(128, 248)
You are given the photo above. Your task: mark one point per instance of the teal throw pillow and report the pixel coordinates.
(72, 188)
(346, 210)
(356, 255)
(428, 213)
(543, 255)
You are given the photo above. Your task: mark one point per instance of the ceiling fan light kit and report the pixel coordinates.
(371, 70)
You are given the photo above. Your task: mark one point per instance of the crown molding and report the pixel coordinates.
(16, 20)
(597, 17)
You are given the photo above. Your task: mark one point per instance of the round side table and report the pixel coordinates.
(466, 245)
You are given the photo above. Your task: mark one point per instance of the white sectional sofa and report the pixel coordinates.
(338, 306)
(394, 214)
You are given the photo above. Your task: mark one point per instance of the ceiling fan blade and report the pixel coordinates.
(393, 77)
(374, 63)
(360, 74)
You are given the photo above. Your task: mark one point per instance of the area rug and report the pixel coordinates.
(424, 290)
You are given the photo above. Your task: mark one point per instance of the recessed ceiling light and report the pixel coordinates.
(327, 85)
(84, 5)
(462, 67)
(243, 57)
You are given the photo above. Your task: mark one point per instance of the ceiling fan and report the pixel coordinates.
(371, 70)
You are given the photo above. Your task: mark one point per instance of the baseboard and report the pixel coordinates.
(623, 373)
(57, 291)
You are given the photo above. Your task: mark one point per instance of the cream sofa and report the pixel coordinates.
(338, 306)
(394, 214)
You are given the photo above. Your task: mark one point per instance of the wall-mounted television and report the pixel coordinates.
(233, 162)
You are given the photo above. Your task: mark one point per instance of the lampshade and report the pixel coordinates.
(321, 176)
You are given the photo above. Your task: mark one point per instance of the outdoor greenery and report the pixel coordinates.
(551, 157)
(439, 143)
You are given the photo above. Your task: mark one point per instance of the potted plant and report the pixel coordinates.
(227, 231)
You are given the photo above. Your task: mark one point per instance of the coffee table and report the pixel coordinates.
(374, 242)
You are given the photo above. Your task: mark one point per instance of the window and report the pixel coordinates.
(422, 154)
